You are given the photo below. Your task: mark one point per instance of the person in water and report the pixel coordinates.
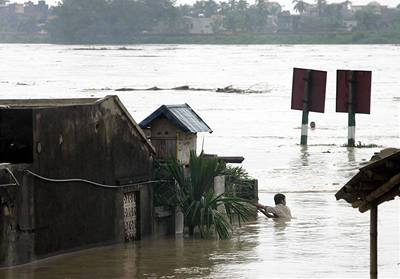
(280, 210)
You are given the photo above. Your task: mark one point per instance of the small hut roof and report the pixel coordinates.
(377, 182)
(182, 116)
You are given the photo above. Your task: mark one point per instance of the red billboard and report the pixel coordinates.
(361, 88)
(316, 89)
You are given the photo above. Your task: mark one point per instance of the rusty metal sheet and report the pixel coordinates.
(362, 89)
(317, 90)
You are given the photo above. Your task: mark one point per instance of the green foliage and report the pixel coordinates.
(145, 21)
(319, 24)
(104, 21)
(299, 6)
(363, 145)
(194, 194)
(205, 8)
(17, 23)
(368, 19)
(236, 172)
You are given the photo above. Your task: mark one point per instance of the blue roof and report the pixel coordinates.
(182, 116)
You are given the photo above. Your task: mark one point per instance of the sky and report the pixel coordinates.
(286, 4)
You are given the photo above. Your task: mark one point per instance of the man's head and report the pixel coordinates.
(280, 199)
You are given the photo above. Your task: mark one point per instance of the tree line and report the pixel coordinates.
(118, 21)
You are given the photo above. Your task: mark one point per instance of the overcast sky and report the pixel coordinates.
(287, 4)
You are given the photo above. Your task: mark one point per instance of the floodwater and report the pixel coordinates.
(326, 239)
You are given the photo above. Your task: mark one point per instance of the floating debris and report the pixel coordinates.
(105, 48)
(91, 48)
(96, 89)
(230, 89)
(227, 89)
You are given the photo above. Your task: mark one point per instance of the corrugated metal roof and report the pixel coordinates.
(183, 116)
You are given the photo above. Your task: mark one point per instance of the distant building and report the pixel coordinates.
(14, 8)
(198, 25)
(39, 11)
(311, 10)
(61, 161)
(173, 131)
(350, 24)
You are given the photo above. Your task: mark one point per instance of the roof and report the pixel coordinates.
(47, 103)
(182, 116)
(56, 103)
(377, 182)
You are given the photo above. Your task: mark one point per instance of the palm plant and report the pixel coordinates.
(300, 6)
(196, 198)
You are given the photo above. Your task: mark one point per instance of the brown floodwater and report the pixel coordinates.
(318, 243)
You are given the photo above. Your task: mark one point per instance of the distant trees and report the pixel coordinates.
(299, 6)
(11, 22)
(321, 4)
(109, 20)
(368, 19)
(205, 8)
(236, 15)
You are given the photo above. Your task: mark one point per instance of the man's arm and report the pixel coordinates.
(263, 209)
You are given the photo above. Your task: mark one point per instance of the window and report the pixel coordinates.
(16, 137)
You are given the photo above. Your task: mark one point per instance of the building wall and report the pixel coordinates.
(163, 137)
(199, 25)
(171, 142)
(186, 143)
(96, 143)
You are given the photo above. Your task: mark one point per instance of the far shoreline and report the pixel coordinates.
(362, 38)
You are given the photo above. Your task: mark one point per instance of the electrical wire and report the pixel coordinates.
(89, 182)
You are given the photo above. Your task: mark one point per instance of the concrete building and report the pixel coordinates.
(39, 11)
(173, 129)
(75, 173)
(198, 25)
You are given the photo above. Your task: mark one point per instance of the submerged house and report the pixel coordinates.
(375, 183)
(172, 130)
(74, 173)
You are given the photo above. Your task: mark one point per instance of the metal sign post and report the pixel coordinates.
(353, 95)
(306, 98)
(351, 111)
(308, 94)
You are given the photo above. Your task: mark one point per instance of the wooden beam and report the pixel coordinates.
(386, 197)
(392, 165)
(231, 159)
(375, 175)
(356, 203)
(374, 243)
(384, 188)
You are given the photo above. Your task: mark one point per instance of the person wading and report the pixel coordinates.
(279, 211)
